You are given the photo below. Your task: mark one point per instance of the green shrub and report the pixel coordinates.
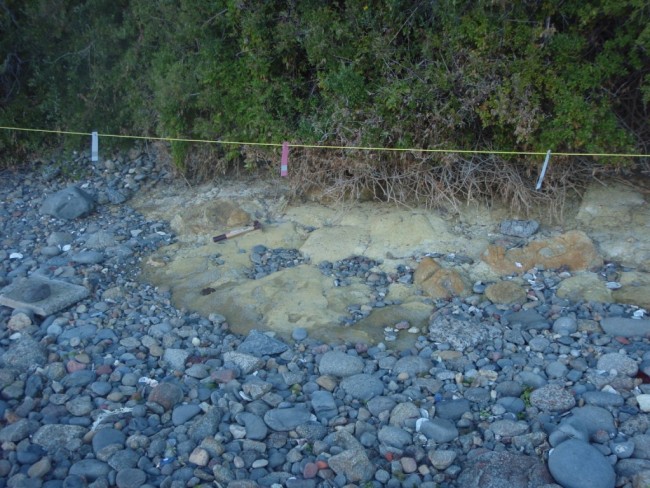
(569, 76)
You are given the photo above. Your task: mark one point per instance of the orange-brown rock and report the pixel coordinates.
(505, 292)
(573, 250)
(438, 282)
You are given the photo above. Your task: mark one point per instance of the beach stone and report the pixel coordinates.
(603, 399)
(286, 419)
(184, 413)
(24, 355)
(519, 228)
(312, 430)
(439, 430)
(403, 412)
(247, 363)
(353, 464)
(19, 321)
(460, 334)
(630, 467)
(620, 326)
(452, 409)
(255, 427)
(79, 378)
(552, 398)
(40, 468)
(90, 469)
(340, 364)
(324, 404)
(575, 463)
(641, 479)
(176, 358)
(620, 363)
(260, 344)
(35, 292)
(54, 436)
(199, 456)
(393, 436)
(504, 469)
(299, 334)
(441, 459)
(206, 425)
(565, 326)
(107, 437)
(130, 478)
(509, 428)
(505, 292)
(101, 240)
(87, 257)
(17, 431)
(643, 401)
(641, 446)
(413, 365)
(166, 394)
(68, 204)
(362, 386)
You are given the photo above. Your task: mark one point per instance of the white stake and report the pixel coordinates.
(543, 173)
(94, 147)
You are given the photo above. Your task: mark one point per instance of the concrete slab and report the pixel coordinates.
(62, 295)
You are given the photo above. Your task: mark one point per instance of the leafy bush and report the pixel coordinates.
(571, 76)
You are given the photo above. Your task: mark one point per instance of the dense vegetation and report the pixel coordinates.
(569, 75)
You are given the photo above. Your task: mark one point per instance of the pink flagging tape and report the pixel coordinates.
(284, 164)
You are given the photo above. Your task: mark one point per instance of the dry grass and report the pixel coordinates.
(438, 181)
(443, 181)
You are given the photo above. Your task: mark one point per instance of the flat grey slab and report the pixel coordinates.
(62, 295)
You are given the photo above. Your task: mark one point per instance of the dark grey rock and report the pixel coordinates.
(255, 427)
(324, 404)
(184, 413)
(130, 478)
(413, 365)
(578, 463)
(338, 363)
(54, 436)
(565, 326)
(88, 257)
(36, 292)
(353, 464)
(24, 355)
(18, 431)
(392, 436)
(90, 469)
(621, 363)
(619, 326)
(79, 378)
(452, 409)
(380, 404)
(439, 430)
(106, 437)
(124, 458)
(206, 425)
(286, 419)
(603, 399)
(519, 228)
(552, 398)
(362, 386)
(260, 344)
(68, 204)
(504, 469)
(311, 430)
